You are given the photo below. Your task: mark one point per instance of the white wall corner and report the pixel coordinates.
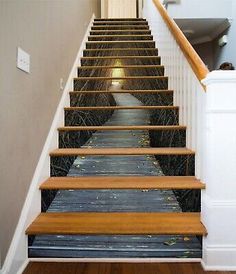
(17, 256)
(214, 34)
(220, 76)
(221, 28)
(219, 199)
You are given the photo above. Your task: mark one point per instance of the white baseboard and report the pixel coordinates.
(219, 258)
(17, 255)
(23, 266)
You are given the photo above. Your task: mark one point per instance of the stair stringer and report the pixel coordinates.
(17, 256)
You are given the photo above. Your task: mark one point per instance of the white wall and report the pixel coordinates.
(201, 9)
(228, 52)
(210, 9)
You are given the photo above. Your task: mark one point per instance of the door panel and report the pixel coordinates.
(122, 9)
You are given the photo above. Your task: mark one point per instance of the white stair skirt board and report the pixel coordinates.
(17, 256)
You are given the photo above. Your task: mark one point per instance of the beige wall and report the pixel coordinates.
(51, 32)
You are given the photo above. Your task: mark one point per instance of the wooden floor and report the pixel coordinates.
(117, 268)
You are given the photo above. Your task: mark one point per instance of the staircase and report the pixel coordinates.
(123, 188)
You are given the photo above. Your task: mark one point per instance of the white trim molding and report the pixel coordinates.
(219, 171)
(17, 256)
(118, 260)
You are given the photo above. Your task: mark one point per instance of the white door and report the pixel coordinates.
(119, 9)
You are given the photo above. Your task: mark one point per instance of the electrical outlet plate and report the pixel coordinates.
(23, 60)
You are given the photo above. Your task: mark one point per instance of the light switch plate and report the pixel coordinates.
(23, 60)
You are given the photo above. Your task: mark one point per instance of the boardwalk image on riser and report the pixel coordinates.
(116, 200)
(122, 180)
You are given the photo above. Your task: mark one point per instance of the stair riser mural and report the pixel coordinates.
(110, 23)
(120, 38)
(61, 168)
(172, 165)
(104, 45)
(110, 200)
(128, 32)
(159, 71)
(127, 84)
(110, 52)
(124, 27)
(121, 61)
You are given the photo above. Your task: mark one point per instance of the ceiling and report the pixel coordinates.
(202, 30)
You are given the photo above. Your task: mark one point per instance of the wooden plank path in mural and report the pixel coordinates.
(116, 200)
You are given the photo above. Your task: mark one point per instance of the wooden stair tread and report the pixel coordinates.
(147, 127)
(116, 42)
(119, 19)
(122, 151)
(123, 30)
(125, 182)
(120, 35)
(119, 49)
(123, 66)
(123, 91)
(120, 23)
(120, 57)
(120, 78)
(119, 108)
(120, 26)
(112, 22)
(117, 223)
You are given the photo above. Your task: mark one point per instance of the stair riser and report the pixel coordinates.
(177, 165)
(104, 201)
(123, 27)
(168, 138)
(164, 138)
(126, 84)
(142, 44)
(57, 253)
(78, 118)
(86, 117)
(134, 52)
(172, 164)
(126, 32)
(111, 23)
(123, 62)
(166, 117)
(126, 71)
(120, 38)
(72, 139)
(117, 247)
(162, 99)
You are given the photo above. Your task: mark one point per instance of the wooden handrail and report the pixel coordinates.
(193, 58)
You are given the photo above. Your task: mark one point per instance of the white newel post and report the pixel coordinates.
(219, 171)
